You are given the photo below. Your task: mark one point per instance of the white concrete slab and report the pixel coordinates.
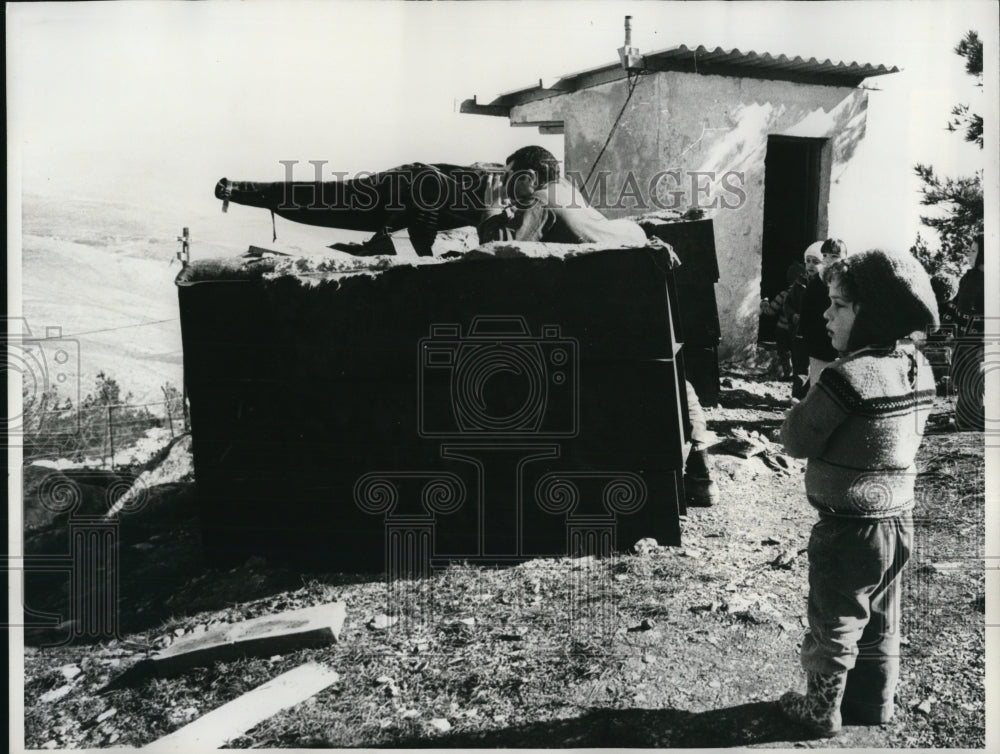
(214, 729)
(266, 636)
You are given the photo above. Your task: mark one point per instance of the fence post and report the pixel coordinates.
(41, 414)
(166, 403)
(111, 437)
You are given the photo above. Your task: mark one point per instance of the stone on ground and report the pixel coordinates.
(265, 636)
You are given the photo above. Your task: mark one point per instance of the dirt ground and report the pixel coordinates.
(665, 647)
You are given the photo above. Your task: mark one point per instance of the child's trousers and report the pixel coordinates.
(854, 608)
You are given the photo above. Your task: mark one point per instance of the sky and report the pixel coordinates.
(152, 102)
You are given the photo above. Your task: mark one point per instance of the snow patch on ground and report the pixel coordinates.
(137, 454)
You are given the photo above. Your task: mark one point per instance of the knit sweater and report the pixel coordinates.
(860, 427)
(970, 299)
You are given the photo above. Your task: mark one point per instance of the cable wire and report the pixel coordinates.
(113, 329)
(632, 82)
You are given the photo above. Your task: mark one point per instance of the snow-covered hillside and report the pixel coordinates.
(103, 273)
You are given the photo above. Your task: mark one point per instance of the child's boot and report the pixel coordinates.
(819, 709)
(869, 693)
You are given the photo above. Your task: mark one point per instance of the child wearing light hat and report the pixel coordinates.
(859, 427)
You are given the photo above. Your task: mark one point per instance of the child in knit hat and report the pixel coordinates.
(860, 426)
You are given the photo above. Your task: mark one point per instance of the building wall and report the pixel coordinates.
(688, 140)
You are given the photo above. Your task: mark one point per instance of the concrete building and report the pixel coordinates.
(759, 142)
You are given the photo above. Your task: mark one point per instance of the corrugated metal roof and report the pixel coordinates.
(701, 60)
(707, 59)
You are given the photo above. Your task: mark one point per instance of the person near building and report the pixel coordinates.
(860, 427)
(968, 377)
(545, 207)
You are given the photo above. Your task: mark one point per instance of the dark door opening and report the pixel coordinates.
(791, 208)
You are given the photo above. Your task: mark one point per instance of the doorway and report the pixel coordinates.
(791, 212)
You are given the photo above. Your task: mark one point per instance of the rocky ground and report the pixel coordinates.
(665, 646)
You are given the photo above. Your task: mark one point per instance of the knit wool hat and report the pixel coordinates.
(894, 295)
(814, 250)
